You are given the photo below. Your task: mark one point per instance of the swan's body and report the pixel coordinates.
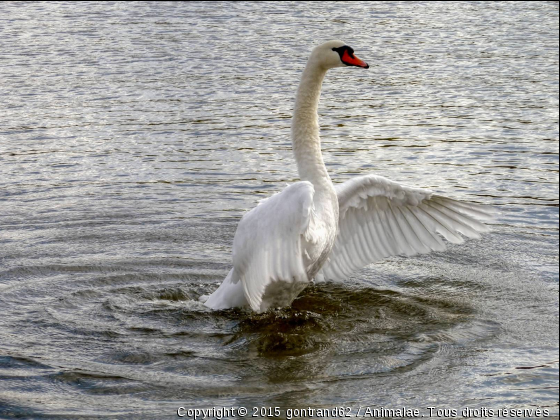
(314, 230)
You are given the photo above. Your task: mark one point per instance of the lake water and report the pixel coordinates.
(135, 135)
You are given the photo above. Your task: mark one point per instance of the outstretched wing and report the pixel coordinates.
(268, 243)
(380, 218)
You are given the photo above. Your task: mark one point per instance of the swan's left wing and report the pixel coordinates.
(381, 218)
(268, 248)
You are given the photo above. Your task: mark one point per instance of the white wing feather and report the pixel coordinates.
(381, 218)
(268, 244)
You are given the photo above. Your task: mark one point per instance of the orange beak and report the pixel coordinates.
(352, 60)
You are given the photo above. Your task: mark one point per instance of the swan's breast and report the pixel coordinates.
(318, 246)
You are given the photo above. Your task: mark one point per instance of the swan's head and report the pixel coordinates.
(336, 54)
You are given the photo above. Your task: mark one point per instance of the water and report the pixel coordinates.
(135, 135)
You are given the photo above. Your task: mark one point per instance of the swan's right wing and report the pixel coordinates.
(268, 244)
(380, 218)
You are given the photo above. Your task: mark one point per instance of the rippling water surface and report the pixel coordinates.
(135, 135)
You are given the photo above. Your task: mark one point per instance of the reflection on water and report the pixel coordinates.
(134, 137)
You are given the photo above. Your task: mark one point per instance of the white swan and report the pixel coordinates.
(313, 229)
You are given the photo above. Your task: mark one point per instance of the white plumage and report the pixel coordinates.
(314, 230)
(380, 218)
(269, 247)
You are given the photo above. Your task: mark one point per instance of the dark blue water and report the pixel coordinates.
(135, 135)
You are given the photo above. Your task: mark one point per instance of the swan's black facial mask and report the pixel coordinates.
(347, 56)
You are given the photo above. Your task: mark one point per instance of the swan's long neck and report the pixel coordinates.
(305, 130)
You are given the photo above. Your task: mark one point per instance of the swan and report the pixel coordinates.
(316, 230)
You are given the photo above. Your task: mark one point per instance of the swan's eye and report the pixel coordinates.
(343, 49)
(347, 56)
